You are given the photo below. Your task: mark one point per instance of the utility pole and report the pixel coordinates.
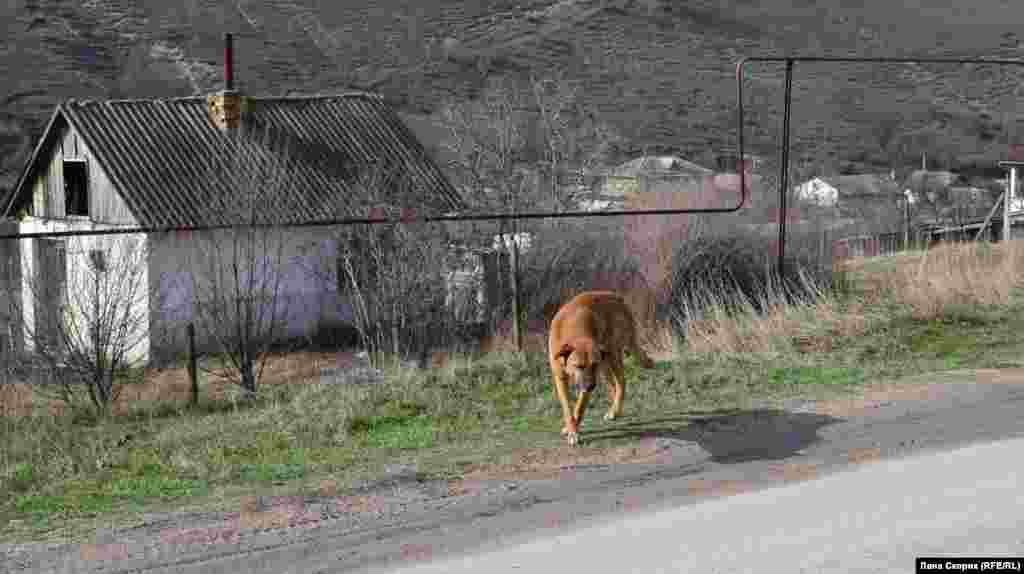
(1010, 195)
(906, 219)
(517, 327)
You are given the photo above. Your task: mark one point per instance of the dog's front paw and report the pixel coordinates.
(572, 437)
(610, 416)
(571, 432)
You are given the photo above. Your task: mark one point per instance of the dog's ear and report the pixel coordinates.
(565, 351)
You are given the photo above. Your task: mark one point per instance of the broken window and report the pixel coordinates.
(76, 188)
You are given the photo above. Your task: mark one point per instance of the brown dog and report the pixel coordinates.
(587, 339)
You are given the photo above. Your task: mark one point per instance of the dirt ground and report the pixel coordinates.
(928, 387)
(171, 385)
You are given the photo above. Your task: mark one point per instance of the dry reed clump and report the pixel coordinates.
(956, 275)
(927, 285)
(810, 323)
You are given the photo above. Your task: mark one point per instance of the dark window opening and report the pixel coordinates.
(76, 188)
(98, 259)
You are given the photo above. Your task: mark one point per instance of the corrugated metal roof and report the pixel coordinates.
(300, 156)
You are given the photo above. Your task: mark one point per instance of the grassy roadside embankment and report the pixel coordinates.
(950, 308)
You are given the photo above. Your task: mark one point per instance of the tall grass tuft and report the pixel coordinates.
(930, 285)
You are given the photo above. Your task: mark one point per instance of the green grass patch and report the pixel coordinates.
(23, 477)
(395, 431)
(92, 496)
(270, 472)
(141, 489)
(78, 503)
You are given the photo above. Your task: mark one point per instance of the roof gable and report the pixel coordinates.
(37, 160)
(862, 184)
(174, 167)
(667, 166)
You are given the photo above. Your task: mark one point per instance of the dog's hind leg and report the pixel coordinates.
(643, 358)
(616, 388)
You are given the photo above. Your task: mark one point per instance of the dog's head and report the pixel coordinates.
(580, 358)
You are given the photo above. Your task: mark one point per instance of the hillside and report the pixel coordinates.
(661, 71)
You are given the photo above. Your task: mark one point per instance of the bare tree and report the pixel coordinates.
(394, 276)
(511, 150)
(84, 314)
(237, 275)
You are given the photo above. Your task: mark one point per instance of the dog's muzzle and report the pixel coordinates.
(581, 388)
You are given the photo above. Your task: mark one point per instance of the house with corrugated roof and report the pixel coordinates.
(653, 174)
(214, 160)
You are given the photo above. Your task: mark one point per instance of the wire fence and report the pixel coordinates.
(81, 299)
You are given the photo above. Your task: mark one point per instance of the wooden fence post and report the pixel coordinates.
(517, 327)
(193, 374)
(824, 257)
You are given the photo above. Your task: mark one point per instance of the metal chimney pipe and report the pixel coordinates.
(229, 63)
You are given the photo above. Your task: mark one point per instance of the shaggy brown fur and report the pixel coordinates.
(588, 337)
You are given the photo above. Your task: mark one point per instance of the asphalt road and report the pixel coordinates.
(861, 488)
(876, 518)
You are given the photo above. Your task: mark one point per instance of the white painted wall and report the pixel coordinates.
(126, 281)
(164, 267)
(308, 296)
(10, 289)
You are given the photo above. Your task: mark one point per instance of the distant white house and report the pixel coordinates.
(849, 190)
(818, 191)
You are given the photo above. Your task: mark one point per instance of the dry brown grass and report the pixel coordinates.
(956, 275)
(925, 285)
(810, 325)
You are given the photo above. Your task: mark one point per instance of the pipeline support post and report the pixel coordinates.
(784, 168)
(789, 60)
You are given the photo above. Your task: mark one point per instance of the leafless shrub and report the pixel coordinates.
(236, 275)
(508, 152)
(394, 276)
(86, 322)
(571, 257)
